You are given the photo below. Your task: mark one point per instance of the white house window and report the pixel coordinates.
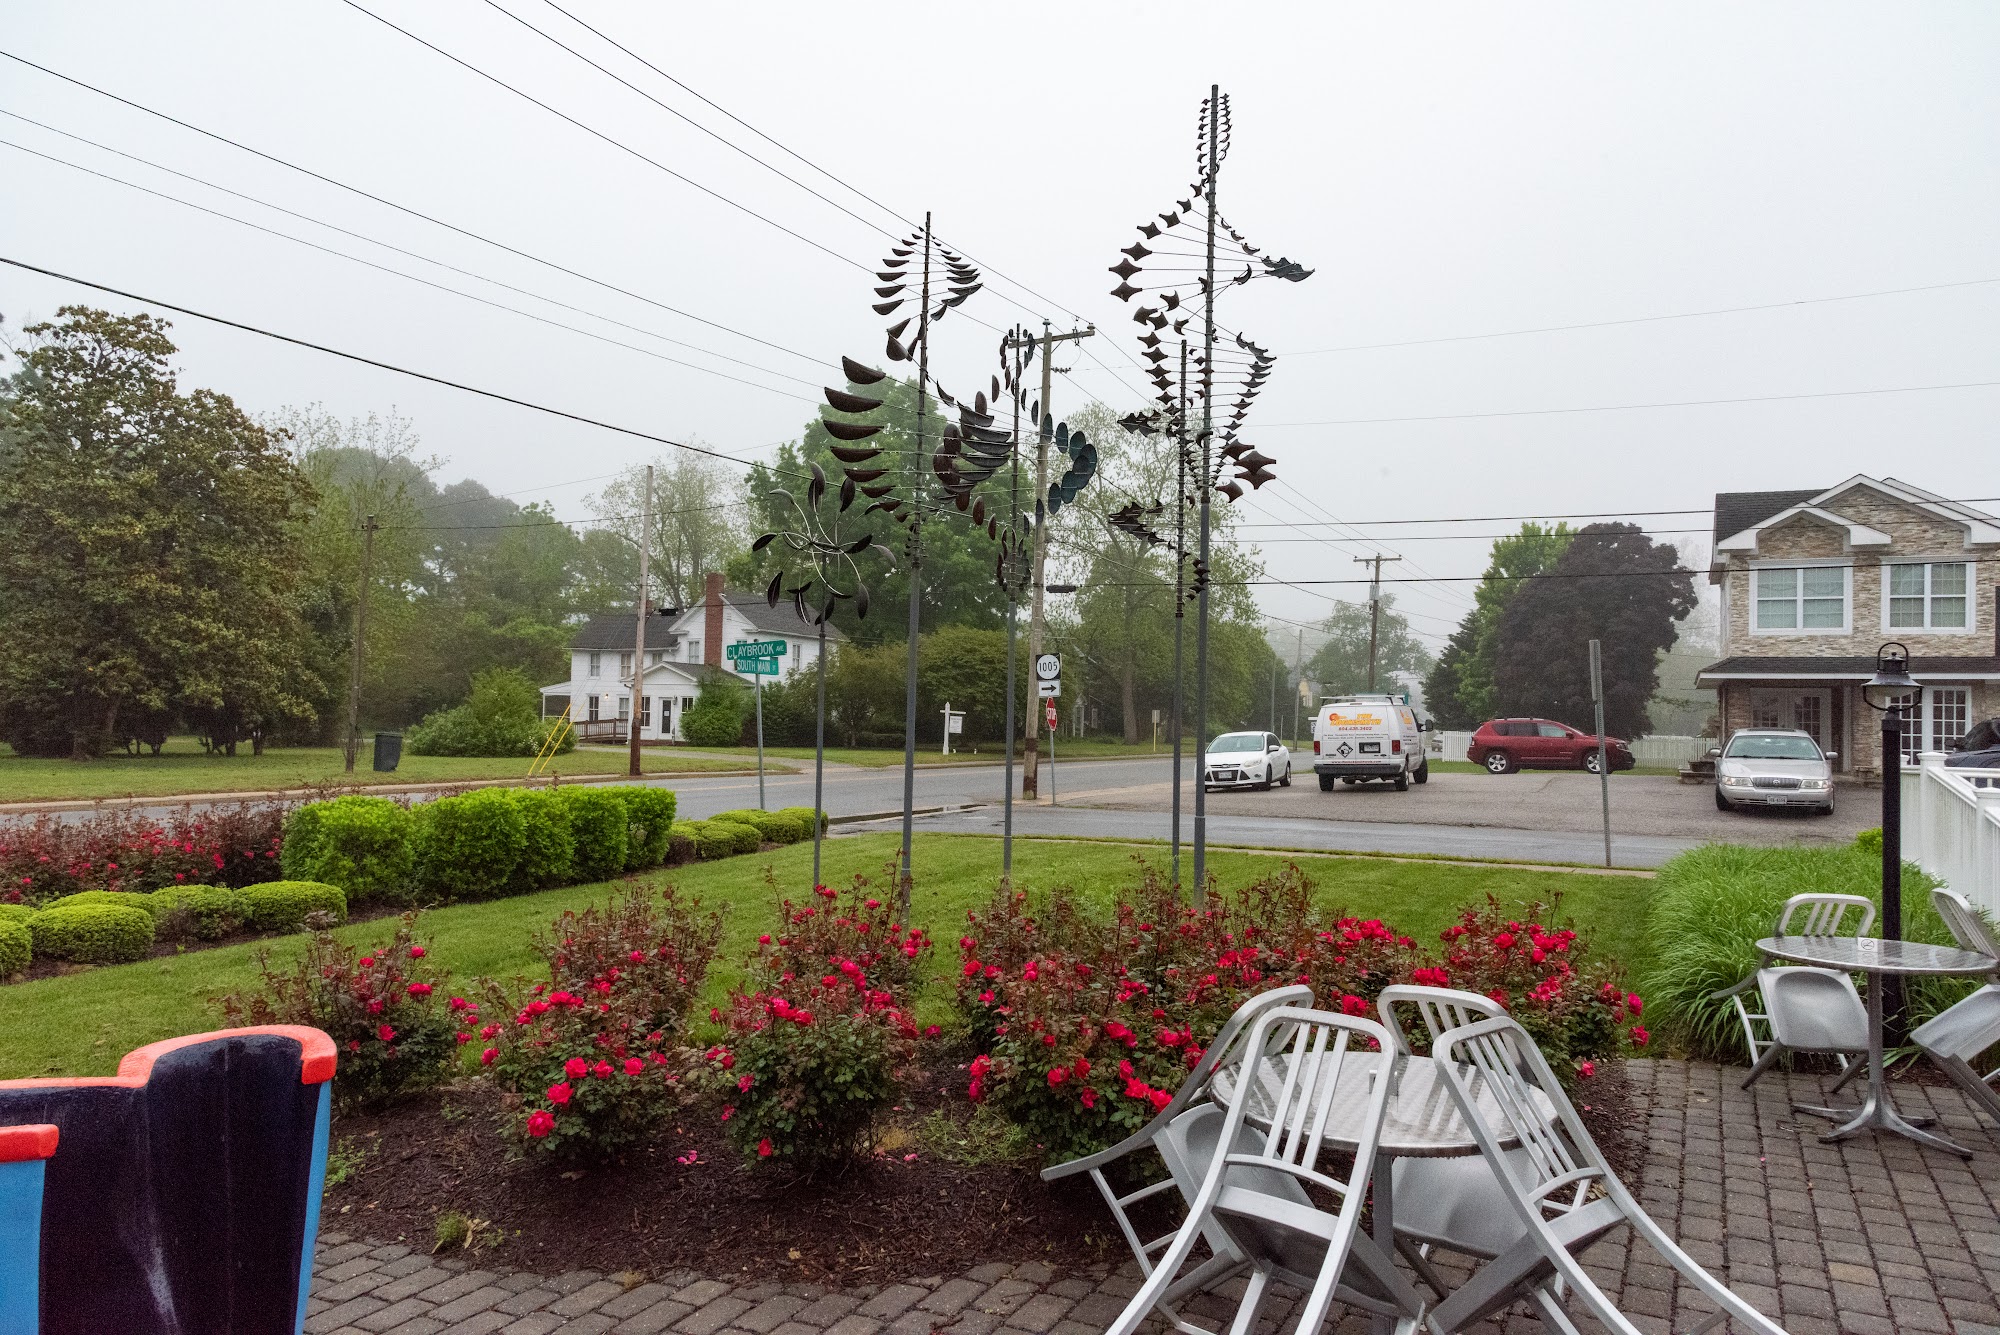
(1928, 596)
(694, 651)
(625, 664)
(1951, 715)
(596, 666)
(1801, 598)
(655, 657)
(593, 703)
(624, 708)
(645, 711)
(1910, 712)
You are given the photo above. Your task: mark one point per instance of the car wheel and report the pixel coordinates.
(1402, 783)
(1826, 810)
(1590, 761)
(1266, 785)
(1721, 802)
(1286, 782)
(1499, 762)
(1326, 783)
(1423, 774)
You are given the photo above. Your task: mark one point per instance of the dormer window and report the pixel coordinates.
(1800, 598)
(596, 665)
(1927, 596)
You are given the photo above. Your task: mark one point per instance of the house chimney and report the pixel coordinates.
(711, 639)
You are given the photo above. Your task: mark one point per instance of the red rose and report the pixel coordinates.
(633, 1066)
(602, 1070)
(416, 952)
(559, 1093)
(540, 1123)
(420, 989)
(764, 1150)
(366, 961)
(486, 1057)
(576, 1068)
(386, 1034)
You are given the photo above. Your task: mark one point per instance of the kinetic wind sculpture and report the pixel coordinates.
(1227, 377)
(825, 574)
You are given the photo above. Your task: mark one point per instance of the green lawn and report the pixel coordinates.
(182, 767)
(81, 1023)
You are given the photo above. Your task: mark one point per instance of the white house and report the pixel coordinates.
(679, 645)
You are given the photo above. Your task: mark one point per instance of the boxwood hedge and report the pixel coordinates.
(282, 906)
(92, 933)
(361, 844)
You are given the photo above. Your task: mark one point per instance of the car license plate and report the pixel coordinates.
(1371, 748)
(1778, 800)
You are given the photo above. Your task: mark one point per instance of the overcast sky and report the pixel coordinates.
(1449, 171)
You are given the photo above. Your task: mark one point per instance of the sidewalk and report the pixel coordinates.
(1868, 1237)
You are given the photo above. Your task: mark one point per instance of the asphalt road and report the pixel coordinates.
(1533, 816)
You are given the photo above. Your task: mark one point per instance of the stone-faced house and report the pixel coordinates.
(1814, 582)
(680, 645)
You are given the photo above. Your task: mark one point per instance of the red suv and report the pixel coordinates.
(1504, 745)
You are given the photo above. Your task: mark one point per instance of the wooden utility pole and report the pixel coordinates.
(639, 645)
(1374, 607)
(1032, 733)
(353, 747)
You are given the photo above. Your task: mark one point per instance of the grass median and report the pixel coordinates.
(182, 768)
(81, 1023)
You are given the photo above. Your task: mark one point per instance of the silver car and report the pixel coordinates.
(1774, 767)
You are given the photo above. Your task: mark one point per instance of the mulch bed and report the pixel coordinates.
(885, 1219)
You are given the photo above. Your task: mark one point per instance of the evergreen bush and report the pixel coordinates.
(467, 846)
(17, 946)
(93, 933)
(649, 816)
(600, 830)
(550, 848)
(282, 906)
(361, 844)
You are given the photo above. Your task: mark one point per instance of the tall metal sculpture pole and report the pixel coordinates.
(917, 489)
(1180, 599)
(819, 755)
(1008, 585)
(1214, 166)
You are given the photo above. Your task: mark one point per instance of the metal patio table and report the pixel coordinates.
(1878, 959)
(1422, 1122)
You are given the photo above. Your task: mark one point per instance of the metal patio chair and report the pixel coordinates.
(1254, 1187)
(1186, 1155)
(1456, 1203)
(1566, 1199)
(1806, 1009)
(1952, 1038)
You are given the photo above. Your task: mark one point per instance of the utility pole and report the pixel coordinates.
(1029, 763)
(1374, 607)
(368, 527)
(1298, 681)
(639, 645)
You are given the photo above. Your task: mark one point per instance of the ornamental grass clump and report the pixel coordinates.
(820, 1030)
(381, 1006)
(588, 1057)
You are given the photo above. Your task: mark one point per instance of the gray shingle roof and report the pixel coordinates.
(614, 630)
(780, 620)
(1738, 510)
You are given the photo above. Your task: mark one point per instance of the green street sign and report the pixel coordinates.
(756, 649)
(757, 667)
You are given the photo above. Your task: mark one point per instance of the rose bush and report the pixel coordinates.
(819, 1031)
(45, 858)
(383, 1006)
(587, 1054)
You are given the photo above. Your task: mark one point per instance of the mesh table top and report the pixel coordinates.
(1867, 954)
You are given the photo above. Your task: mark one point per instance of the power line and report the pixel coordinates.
(1645, 319)
(1632, 407)
(398, 273)
(599, 134)
(408, 211)
(1586, 514)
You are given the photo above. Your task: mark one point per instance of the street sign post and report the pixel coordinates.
(757, 659)
(1048, 667)
(1049, 690)
(1051, 711)
(954, 722)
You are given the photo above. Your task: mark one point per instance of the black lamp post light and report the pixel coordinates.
(1884, 693)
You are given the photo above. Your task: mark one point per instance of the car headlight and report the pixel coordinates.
(1735, 781)
(1816, 785)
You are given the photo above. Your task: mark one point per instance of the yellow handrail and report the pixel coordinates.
(547, 752)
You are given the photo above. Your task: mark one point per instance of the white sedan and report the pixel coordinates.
(1246, 760)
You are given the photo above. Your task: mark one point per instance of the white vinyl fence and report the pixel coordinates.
(1647, 750)
(1951, 827)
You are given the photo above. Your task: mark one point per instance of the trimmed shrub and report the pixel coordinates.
(17, 913)
(681, 844)
(549, 848)
(17, 946)
(773, 825)
(804, 816)
(600, 831)
(743, 838)
(196, 912)
(361, 844)
(709, 842)
(282, 906)
(93, 933)
(649, 815)
(501, 717)
(467, 846)
(719, 712)
(121, 898)
(380, 1007)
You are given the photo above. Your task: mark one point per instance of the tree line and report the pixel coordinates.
(175, 563)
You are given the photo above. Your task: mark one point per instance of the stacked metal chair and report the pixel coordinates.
(1953, 1038)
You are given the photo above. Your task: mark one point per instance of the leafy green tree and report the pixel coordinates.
(1613, 584)
(153, 540)
(1517, 558)
(1444, 688)
(698, 521)
(1341, 664)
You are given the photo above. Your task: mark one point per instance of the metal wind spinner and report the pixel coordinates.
(1189, 233)
(833, 576)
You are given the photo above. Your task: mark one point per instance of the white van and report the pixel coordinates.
(1361, 738)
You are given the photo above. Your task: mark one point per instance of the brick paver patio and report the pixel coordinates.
(1871, 1236)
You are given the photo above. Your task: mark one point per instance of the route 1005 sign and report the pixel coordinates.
(1048, 667)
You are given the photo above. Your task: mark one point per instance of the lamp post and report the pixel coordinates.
(1891, 682)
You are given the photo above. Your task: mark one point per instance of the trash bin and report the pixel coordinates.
(388, 750)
